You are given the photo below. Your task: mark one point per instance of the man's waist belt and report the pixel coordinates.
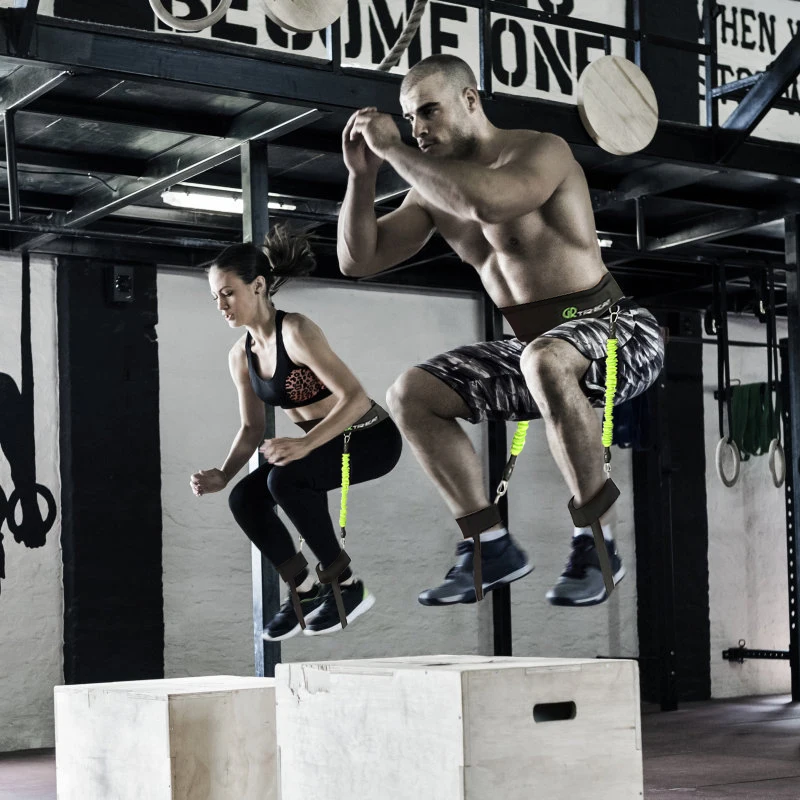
(530, 320)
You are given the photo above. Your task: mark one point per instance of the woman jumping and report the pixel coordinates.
(284, 360)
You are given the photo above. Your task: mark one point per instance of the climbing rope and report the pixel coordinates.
(393, 57)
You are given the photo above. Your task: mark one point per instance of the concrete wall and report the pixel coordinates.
(207, 594)
(402, 535)
(747, 543)
(540, 519)
(402, 539)
(31, 607)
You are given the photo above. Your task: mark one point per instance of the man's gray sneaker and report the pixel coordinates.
(502, 561)
(581, 583)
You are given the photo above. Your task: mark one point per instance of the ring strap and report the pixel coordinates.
(289, 570)
(472, 526)
(588, 515)
(330, 575)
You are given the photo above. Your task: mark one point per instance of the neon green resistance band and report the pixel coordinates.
(611, 390)
(517, 443)
(608, 417)
(345, 483)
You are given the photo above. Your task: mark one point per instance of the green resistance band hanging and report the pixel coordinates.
(345, 487)
(517, 443)
(611, 390)
(345, 483)
(608, 417)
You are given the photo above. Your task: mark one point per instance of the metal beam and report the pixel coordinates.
(758, 101)
(113, 114)
(84, 163)
(139, 56)
(28, 83)
(41, 202)
(651, 180)
(165, 255)
(719, 225)
(177, 165)
(735, 86)
(55, 231)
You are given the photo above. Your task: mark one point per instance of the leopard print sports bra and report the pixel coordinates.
(291, 386)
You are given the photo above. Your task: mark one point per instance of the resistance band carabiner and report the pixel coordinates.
(517, 443)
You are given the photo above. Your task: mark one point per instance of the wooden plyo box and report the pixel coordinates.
(210, 738)
(459, 728)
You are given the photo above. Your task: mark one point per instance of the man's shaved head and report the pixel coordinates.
(456, 72)
(439, 97)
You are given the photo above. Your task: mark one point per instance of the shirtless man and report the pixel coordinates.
(515, 205)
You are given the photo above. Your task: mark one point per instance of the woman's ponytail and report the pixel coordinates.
(289, 255)
(284, 255)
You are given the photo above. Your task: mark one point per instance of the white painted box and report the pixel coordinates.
(210, 738)
(459, 728)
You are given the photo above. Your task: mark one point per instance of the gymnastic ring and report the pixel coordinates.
(737, 460)
(32, 535)
(190, 25)
(775, 447)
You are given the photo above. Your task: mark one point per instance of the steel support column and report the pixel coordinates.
(10, 128)
(498, 454)
(255, 226)
(710, 14)
(790, 378)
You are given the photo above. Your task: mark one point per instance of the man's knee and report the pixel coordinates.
(406, 393)
(417, 394)
(552, 371)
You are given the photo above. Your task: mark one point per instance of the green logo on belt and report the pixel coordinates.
(570, 313)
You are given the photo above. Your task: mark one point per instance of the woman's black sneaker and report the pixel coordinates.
(285, 624)
(356, 600)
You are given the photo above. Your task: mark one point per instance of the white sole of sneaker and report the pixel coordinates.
(487, 587)
(600, 597)
(364, 606)
(294, 631)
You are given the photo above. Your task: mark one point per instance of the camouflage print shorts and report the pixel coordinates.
(487, 375)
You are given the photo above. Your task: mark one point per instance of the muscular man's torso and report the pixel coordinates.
(547, 252)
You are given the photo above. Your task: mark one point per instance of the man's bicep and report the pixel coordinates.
(402, 233)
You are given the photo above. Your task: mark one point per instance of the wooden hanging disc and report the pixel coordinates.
(617, 105)
(304, 16)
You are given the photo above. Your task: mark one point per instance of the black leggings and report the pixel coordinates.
(301, 490)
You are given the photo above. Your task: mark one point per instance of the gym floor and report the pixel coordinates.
(742, 749)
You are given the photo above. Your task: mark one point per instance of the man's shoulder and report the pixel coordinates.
(521, 141)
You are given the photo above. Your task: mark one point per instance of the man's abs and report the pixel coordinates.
(524, 260)
(550, 251)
